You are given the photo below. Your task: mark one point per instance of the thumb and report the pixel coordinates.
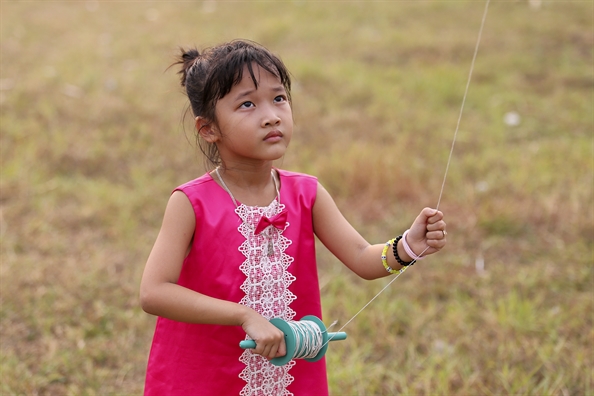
(427, 214)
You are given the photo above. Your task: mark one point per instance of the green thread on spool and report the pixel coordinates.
(307, 339)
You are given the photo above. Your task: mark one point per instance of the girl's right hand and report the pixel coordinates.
(270, 341)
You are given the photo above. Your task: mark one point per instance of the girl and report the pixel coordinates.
(236, 247)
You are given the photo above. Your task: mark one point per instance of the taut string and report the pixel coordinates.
(476, 47)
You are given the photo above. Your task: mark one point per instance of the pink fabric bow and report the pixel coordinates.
(279, 221)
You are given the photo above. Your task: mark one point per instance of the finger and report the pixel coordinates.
(272, 352)
(259, 350)
(260, 347)
(282, 350)
(269, 351)
(435, 244)
(439, 233)
(435, 217)
(436, 235)
(437, 226)
(426, 213)
(429, 211)
(263, 347)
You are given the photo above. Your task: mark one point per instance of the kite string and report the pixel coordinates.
(480, 34)
(476, 47)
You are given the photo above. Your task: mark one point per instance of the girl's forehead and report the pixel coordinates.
(256, 76)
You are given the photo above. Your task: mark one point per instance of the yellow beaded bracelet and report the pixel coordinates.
(385, 258)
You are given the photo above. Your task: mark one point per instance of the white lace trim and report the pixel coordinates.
(266, 291)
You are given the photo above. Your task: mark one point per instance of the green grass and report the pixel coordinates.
(92, 143)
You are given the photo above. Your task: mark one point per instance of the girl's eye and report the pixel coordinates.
(247, 105)
(280, 98)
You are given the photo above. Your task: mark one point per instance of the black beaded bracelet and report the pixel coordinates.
(397, 257)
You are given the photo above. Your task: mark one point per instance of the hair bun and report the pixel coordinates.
(191, 54)
(187, 59)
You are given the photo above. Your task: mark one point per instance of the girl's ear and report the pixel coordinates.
(207, 130)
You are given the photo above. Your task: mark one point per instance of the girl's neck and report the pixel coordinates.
(249, 185)
(247, 177)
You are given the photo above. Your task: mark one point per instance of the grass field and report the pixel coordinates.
(93, 140)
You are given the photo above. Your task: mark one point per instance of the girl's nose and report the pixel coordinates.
(271, 118)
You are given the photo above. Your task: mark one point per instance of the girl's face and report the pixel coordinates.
(253, 125)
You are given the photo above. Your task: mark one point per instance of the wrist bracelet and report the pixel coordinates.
(408, 249)
(385, 258)
(396, 256)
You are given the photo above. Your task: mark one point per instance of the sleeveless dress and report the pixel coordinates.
(273, 271)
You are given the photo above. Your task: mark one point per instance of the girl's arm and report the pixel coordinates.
(161, 295)
(336, 233)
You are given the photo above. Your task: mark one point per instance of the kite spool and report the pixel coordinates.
(306, 339)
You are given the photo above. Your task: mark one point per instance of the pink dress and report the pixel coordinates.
(273, 271)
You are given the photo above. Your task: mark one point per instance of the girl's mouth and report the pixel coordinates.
(273, 136)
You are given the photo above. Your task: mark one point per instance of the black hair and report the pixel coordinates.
(210, 75)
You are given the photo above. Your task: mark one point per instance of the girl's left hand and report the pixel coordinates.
(428, 231)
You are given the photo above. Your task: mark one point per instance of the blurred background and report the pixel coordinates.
(94, 139)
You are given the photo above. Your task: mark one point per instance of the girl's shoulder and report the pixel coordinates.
(297, 184)
(203, 181)
(296, 176)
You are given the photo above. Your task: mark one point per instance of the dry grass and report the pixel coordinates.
(92, 144)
